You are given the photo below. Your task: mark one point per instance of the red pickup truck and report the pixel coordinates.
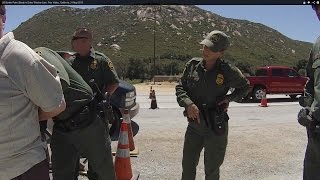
(276, 80)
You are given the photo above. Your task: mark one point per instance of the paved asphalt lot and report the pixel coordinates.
(264, 143)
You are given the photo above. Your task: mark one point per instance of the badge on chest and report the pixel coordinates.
(220, 79)
(94, 65)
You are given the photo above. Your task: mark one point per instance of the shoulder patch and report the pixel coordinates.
(110, 64)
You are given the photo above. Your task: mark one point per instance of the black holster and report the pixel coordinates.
(308, 121)
(105, 112)
(314, 129)
(215, 119)
(78, 120)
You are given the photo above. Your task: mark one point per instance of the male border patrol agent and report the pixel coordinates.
(77, 130)
(310, 115)
(94, 67)
(202, 91)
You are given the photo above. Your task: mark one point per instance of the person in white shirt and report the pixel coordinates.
(30, 91)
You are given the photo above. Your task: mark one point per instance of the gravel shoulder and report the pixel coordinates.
(264, 143)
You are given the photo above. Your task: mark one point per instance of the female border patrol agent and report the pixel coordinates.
(203, 92)
(311, 169)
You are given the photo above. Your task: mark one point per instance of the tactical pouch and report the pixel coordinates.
(312, 125)
(303, 117)
(215, 119)
(218, 120)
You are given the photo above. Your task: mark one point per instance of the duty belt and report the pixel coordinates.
(78, 120)
(214, 117)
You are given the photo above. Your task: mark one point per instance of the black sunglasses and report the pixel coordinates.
(75, 38)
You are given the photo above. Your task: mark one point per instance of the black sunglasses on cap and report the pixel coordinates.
(75, 38)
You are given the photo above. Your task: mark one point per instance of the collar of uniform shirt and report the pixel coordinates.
(92, 53)
(203, 62)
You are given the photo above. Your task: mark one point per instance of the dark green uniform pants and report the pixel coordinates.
(91, 142)
(311, 170)
(214, 152)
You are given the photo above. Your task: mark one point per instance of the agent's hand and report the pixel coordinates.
(224, 103)
(193, 113)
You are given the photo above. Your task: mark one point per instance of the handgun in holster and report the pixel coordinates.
(105, 110)
(216, 119)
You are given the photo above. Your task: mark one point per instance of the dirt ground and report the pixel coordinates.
(264, 143)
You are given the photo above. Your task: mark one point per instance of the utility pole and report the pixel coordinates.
(154, 45)
(155, 10)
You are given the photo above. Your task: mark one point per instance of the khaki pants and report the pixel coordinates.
(214, 152)
(311, 170)
(93, 142)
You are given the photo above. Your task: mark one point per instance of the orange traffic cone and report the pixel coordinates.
(264, 102)
(122, 162)
(126, 119)
(150, 94)
(153, 100)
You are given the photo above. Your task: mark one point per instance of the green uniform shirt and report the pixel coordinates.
(77, 93)
(312, 88)
(96, 66)
(200, 86)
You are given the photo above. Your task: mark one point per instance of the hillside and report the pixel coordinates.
(179, 29)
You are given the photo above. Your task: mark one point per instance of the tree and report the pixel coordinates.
(301, 64)
(121, 68)
(171, 68)
(302, 72)
(137, 69)
(245, 67)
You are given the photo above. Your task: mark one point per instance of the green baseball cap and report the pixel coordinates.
(82, 33)
(216, 41)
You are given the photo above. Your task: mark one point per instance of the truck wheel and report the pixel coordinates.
(257, 94)
(293, 96)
